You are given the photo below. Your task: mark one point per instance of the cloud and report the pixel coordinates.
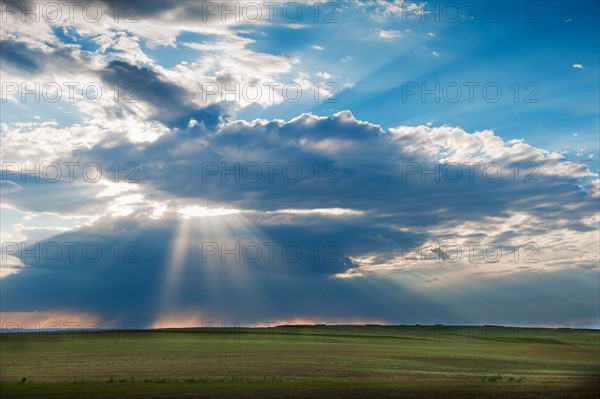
(360, 231)
(388, 34)
(394, 8)
(16, 55)
(375, 211)
(121, 67)
(323, 75)
(168, 102)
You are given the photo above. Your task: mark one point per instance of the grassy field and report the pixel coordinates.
(303, 361)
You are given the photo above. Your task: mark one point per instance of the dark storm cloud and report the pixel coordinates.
(394, 212)
(150, 87)
(60, 196)
(132, 292)
(362, 170)
(130, 287)
(114, 288)
(132, 9)
(20, 57)
(169, 102)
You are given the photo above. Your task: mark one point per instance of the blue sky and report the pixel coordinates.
(360, 98)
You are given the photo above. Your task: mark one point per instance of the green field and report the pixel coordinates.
(303, 361)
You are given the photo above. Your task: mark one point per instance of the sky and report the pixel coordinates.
(186, 163)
